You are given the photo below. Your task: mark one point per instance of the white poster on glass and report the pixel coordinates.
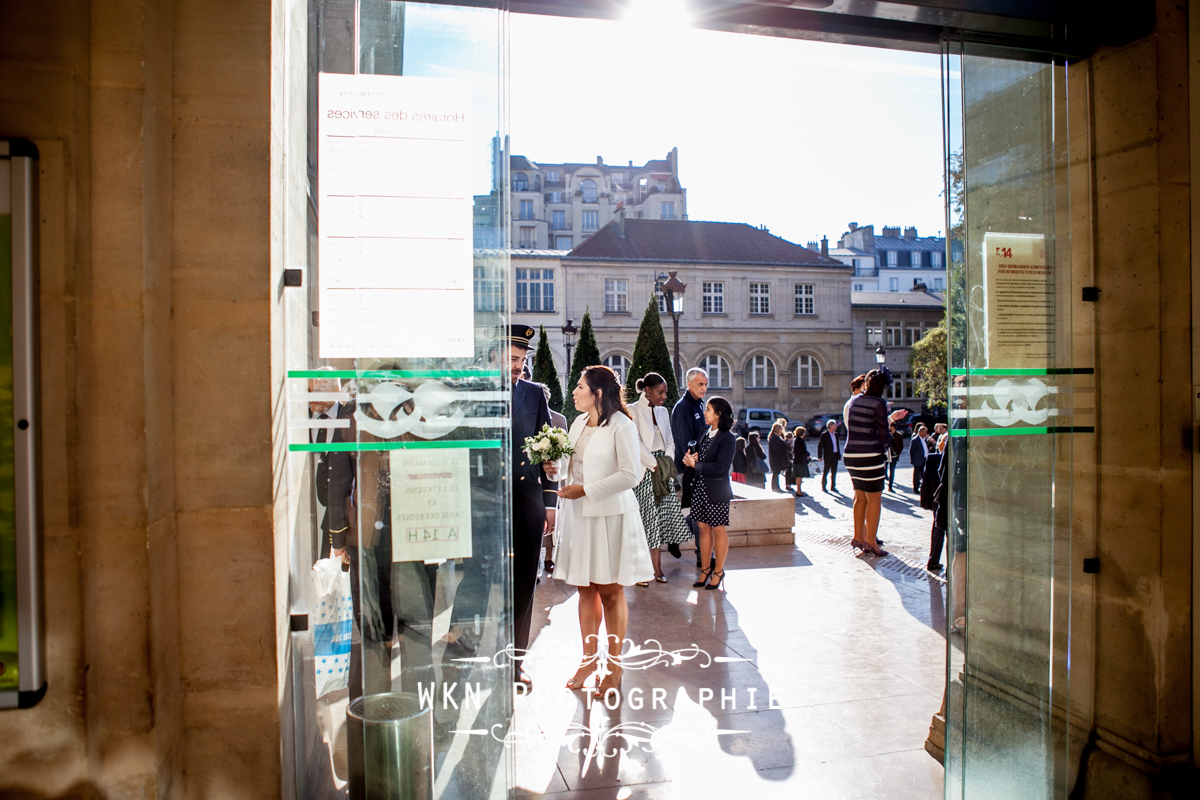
(1018, 286)
(395, 224)
(431, 504)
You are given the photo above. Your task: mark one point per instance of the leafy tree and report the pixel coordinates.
(650, 354)
(927, 360)
(544, 371)
(587, 354)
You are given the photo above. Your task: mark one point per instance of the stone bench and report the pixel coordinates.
(758, 517)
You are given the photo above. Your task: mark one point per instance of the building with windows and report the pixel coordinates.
(768, 319)
(895, 320)
(892, 262)
(558, 206)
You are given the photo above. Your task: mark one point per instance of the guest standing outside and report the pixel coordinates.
(800, 458)
(777, 455)
(829, 450)
(656, 494)
(893, 455)
(930, 485)
(712, 494)
(755, 459)
(603, 544)
(918, 450)
(687, 425)
(867, 421)
(739, 461)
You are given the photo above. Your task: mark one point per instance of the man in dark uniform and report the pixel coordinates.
(533, 495)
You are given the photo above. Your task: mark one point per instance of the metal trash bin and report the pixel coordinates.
(390, 747)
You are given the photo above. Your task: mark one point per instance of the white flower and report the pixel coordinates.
(542, 445)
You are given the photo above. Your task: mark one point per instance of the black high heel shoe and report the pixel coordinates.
(703, 578)
(720, 580)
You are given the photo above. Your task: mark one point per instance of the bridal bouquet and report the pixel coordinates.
(548, 444)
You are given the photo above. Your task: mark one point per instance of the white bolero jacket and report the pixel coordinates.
(612, 466)
(643, 415)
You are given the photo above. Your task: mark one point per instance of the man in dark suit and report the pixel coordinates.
(918, 449)
(334, 473)
(533, 496)
(829, 450)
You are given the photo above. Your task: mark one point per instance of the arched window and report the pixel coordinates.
(520, 182)
(619, 364)
(760, 373)
(808, 373)
(718, 371)
(588, 187)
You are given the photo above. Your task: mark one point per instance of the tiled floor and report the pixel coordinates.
(815, 674)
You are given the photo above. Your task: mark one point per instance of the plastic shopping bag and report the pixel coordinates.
(332, 629)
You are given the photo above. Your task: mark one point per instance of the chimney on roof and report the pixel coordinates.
(814, 246)
(853, 226)
(891, 231)
(631, 163)
(825, 246)
(619, 219)
(920, 287)
(910, 233)
(599, 161)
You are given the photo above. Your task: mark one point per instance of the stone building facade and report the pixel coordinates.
(895, 320)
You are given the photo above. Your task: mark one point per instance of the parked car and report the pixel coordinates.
(757, 419)
(816, 425)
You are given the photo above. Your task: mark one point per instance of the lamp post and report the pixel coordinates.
(880, 355)
(672, 289)
(568, 332)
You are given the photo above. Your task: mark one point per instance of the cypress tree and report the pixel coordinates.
(651, 354)
(544, 371)
(587, 354)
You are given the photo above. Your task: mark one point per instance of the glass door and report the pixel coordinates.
(398, 401)
(1022, 435)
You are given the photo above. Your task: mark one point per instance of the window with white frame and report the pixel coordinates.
(616, 296)
(558, 220)
(914, 258)
(806, 303)
(858, 287)
(939, 284)
(896, 390)
(526, 209)
(910, 386)
(808, 373)
(714, 297)
(553, 176)
(619, 365)
(489, 289)
(557, 197)
(912, 334)
(935, 259)
(528, 239)
(520, 182)
(760, 298)
(874, 333)
(535, 290)
(591, 220)
(893, 284)
(893, 334)
(588, 188)
(563, 243)
(761, 373)
(718, 371)
(668, 211)
(891, 258)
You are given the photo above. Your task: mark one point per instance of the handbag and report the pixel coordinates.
(760, 466)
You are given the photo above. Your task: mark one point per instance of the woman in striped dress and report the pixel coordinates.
(661, 516)
(864, 456)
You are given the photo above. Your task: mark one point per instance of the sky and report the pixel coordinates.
(802, 137)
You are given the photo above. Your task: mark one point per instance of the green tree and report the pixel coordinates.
(650, 354)
(927, 360)
(545, 372)
(587, 354)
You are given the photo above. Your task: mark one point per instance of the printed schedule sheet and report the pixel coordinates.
(395, 225)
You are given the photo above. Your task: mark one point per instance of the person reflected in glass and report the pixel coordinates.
(756, 461)
(777, 455)
(712, 492)
(656, 494)
(865, 457)
(800, 458)
(603, 544)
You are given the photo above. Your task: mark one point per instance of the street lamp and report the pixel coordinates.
(568, 332)
(880, 355)
(672, 290)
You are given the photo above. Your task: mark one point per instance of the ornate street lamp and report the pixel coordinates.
(880, 355)
(568, 332)
(672, 290)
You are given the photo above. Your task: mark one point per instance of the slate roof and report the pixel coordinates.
(896, 300)
(520, 162)
(692, 242)
(654, 165)
(925, 244)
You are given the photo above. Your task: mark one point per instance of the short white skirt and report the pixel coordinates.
(601, 549)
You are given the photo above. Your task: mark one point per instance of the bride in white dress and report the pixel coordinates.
(603, 544)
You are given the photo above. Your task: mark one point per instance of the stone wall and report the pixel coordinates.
(153, 121)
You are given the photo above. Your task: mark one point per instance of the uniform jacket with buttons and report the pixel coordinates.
(530, 501)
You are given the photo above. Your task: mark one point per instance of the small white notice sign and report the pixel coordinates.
(395, 218)
(1018, 287)
(431, 504)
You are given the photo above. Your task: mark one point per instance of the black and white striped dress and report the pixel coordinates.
(866, 446)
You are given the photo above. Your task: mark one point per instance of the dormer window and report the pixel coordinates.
(520, 182)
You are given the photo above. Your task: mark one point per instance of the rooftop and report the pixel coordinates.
(896, 300)
(900, 243)
(688, 241)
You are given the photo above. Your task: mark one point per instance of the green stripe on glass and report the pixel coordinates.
(394, 373)
(351, 447)
(1051, 371)
(960, 433)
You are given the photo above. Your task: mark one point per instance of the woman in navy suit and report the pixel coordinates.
(711, 492)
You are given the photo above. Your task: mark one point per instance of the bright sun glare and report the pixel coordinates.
(656, 17)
